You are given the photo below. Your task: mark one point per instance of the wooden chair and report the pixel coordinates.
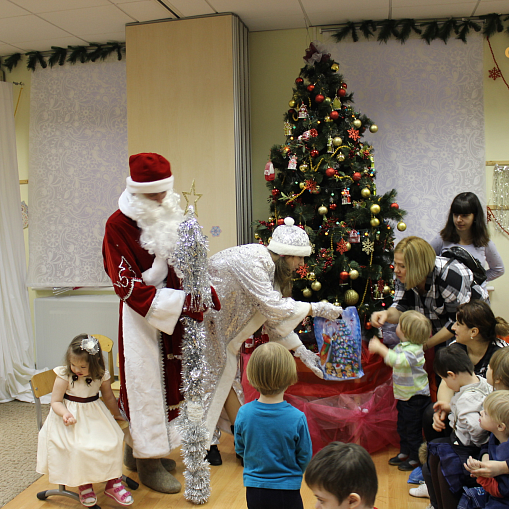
(42, 384)
(107, 346)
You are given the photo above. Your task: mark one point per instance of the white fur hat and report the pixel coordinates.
(290, 240)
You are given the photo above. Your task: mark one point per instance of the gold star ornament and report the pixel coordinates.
(192, 194)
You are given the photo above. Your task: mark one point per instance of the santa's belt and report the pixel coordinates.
(81, 400)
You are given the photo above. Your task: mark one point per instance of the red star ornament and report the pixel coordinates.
(354, 134)
(342, 246)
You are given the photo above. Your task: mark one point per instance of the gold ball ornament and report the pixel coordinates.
(327, 118)
(292, 103)
(373, 128)
(337, 141)
(374, 221)
(387, 290)
(307, 292)
(335, 67)
(337, 303)
(354, 274)
(357, 123)
(324, 300)
(257, 236)
(365, 193)
(322, 210)
(271, 219)
(302, 185)
(312, 276)
(327, 100)
(341, 156)
(317, 190)
(401, 226)
(348, 246)
(303, 168)
(351, 297)
(375, 208)
(316, 286)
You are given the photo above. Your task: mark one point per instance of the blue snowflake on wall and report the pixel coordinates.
(215, 231)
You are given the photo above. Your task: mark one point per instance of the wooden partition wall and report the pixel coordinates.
(188, 99)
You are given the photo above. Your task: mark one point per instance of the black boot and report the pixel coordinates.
(214, 456)
(232, 427)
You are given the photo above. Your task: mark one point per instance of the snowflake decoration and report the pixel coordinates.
(302, 271)
(354, 134)
(368, 246)
(342, 246)
(494, 73)
(215, 231)
(311, 185)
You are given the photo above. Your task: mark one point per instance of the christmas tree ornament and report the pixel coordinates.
(316, 286)
(334, 67)
(316, 190)
(341, 92)
(311, 276)
(337, 303)
(368, 325)
(394, 206)
(353, 134)
(307, 292)
(373, 128)
(270, 219)
(299, 80)
(314, 153)
(341, 157)
(322, 210)
(302, 185)
(292, 103)
(275, 192)
(348, 246)
(303, 167)
(354, 237)
(334, 115)
(342, 246)
(256, 236)
(319, 98)
(354, 274)
(387, 290)
(357, 123)
(330, 148)
(287, 127)
(310, 88)
(330, 172)
(303, 111)
(343, 275)
(280, 221)
(368, 246)
(374, 222)
(336, 103)
(269, 172)
(365, 192)
(333, 206)
(375, 208)
(356, 176)
(337, 141)
(292, 163)
(327, 101)
(351, 297)
(401, 226)
(346, 199)
(344, 85)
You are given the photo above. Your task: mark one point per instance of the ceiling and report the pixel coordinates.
(36, 25)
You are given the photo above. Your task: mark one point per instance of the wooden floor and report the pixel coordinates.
(227, 488)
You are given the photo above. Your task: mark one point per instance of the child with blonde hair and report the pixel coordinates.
(410, 382)
(271, 436)
(80, 442)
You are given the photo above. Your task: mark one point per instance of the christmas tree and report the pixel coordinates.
(324, 177)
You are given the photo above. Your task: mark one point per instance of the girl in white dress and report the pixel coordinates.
(80, 442)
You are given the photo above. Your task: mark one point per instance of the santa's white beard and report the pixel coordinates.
(158, 222)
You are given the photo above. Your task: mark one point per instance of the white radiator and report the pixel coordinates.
(59, 319)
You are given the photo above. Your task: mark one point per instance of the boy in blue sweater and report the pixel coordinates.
(271, 436)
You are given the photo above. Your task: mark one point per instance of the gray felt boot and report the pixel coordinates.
(130, 460)
(153, 475)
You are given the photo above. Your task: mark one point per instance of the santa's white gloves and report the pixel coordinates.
(326, 310)
(157, 273)
(310, 359)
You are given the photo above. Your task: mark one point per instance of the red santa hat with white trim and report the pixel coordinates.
(150, 173)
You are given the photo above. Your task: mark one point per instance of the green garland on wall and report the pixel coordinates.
(429, 30)
(71, 54)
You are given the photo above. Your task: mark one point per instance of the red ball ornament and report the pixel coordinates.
(341, 92)
(330, 172)
(311, 88)
(275, 192)
(368, 325)
(334, 115)
(319, 98)
(356, 176)
(333, 206)
(344, 85)
(280, 221)
(344, 276)
(394, 206)
(314, 153)
(299, 80)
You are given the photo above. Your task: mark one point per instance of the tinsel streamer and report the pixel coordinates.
(500, 196)
(191, 267)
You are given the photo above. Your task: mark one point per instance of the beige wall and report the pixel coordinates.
(275, 60)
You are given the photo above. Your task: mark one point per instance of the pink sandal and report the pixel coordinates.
(87, 495)
(116, 490)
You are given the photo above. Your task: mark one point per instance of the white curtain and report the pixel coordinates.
(427, 101)
(16, 339)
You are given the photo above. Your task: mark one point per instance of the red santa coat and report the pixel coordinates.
(149, 340)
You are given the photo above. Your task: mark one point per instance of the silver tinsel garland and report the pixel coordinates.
(191, 267)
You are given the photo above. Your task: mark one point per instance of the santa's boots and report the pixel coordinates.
(130, 460)
(153, 475)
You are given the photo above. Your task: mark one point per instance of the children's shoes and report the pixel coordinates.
(87, 495)
(116, 490)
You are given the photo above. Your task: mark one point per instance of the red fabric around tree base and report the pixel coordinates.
(360, 411)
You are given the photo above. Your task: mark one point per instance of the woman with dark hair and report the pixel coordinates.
(466, 227)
